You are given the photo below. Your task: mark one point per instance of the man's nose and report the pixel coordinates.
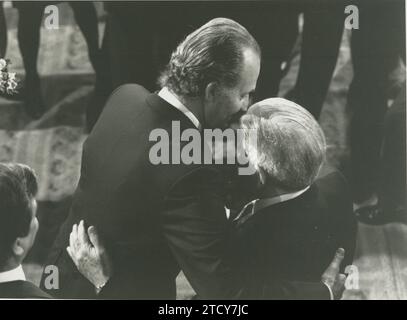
(245, 106)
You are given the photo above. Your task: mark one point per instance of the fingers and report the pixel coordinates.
(336, 263)
(87, 252)
(78, 236)
(340, 254)
(339, 286)
(333, 269)
(341, 279)
(94, 238)
(355, 294)
(78, 241)
(75, 230)
(72, 237)
(82, 235)
(69, 250)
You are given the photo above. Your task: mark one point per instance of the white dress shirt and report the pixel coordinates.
(168, 96)
(262, 203)
(13, 275)
(259, 204)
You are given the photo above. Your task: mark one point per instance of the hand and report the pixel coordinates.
(354, 294)
(89, 255)
(332, 277)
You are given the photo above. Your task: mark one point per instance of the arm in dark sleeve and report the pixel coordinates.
(195, 226)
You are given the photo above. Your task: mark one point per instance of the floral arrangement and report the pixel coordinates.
(8, 80)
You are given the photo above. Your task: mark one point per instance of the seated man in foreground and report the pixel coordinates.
(18, 229)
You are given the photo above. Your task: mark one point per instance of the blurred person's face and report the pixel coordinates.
(223, 105)
(22, 245)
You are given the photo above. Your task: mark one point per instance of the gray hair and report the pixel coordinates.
(290, 145)
(212, 53)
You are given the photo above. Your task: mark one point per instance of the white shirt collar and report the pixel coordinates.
(262, 203)
(259, 204)
(168, 96)
(13, 275)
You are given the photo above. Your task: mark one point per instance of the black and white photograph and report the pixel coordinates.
(203, 150)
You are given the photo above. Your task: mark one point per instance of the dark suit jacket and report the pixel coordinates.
(155, 219)
(297, 239)
(21, 290)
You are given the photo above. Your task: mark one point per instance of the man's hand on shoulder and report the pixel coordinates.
(332, 278)
(89, 255)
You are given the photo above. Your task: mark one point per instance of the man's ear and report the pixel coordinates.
(211, 91)
(18, 247)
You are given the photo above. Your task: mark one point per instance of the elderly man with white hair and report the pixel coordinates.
(298, 221)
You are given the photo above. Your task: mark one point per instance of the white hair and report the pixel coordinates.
(290, 146)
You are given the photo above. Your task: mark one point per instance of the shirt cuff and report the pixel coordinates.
(331, 295)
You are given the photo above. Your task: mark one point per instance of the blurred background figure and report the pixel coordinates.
(376, 48)
(135, 47)
(138, 40)
(392, 195)
(276, 26)
(29, 25)
(321, 39)
(3, 32)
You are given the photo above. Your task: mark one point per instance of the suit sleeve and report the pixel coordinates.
(198, 233)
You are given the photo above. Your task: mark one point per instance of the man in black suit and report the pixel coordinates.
(392, 193)
(18, 228)
(376, 47)
(157, 217)
(297, 221)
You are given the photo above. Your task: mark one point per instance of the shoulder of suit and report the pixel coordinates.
(130, 88)
(22, 290)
